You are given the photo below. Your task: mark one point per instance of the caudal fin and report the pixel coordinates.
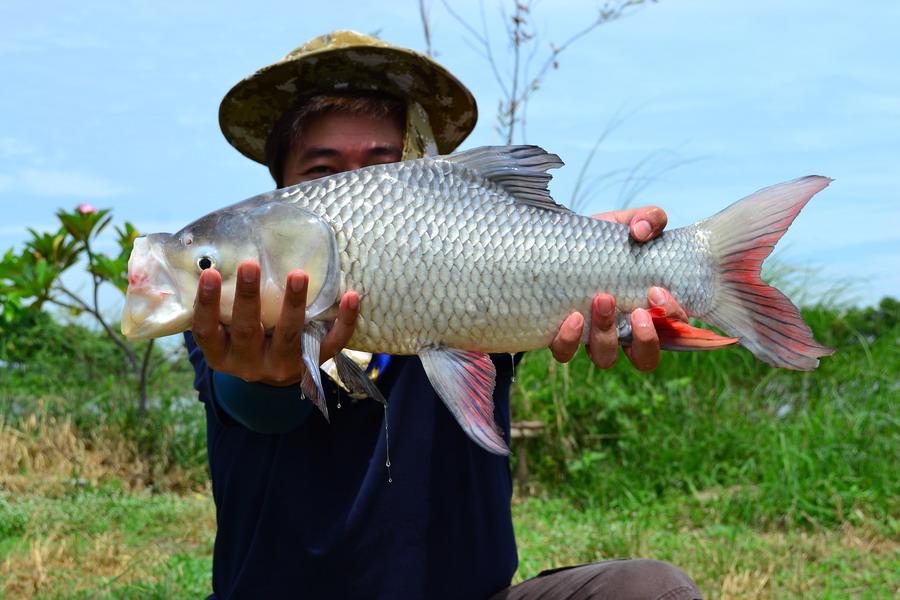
(741, 237)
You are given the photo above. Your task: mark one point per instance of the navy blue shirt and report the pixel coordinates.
(310, 513)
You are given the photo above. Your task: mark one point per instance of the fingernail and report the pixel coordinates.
(353, 302)
(248, 274)
(641, 318)
(657, 296)
(297, 283)
(576, 323)
(207, 283)
(605, 306)
(642, 230)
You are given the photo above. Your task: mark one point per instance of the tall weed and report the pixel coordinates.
(758, 444)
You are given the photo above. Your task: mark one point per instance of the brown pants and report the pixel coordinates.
(624, 579)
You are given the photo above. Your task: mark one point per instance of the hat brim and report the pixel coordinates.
(249, 111)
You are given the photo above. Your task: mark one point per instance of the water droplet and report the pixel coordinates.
(387, 448)
(512, 358)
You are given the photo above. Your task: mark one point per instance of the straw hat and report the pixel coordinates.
(441, 111)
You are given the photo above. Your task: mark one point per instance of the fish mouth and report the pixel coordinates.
(153, 303)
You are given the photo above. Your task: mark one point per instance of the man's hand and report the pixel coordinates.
(244, 350)
(645, 224)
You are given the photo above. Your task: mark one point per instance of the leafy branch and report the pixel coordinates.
(33, 278)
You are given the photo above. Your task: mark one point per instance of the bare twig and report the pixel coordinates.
(144, 377)
(517, 85)
(426, 27)
(79, 305)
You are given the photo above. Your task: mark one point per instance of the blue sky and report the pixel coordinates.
(115, 104)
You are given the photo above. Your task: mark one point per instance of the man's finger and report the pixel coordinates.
(286, 336)
(647, 222)
(344, 325)
(565, 344)
(205, 326)
(644, 351)
(659, 297)
(644, 222)
(603, 344)
(246, 327)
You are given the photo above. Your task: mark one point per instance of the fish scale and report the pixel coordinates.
(461, 255)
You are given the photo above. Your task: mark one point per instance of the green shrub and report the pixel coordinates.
(760, 444)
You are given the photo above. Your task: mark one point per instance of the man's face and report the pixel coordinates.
(334, 143)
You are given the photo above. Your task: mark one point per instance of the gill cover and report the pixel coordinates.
(291, 237)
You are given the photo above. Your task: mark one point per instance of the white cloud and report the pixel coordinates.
(67, 184)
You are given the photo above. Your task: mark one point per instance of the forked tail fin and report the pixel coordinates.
(741, 237)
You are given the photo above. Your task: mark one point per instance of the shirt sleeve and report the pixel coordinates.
(258, 407)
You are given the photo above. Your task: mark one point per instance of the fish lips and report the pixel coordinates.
(154, 306)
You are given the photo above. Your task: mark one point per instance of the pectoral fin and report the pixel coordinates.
(465, 382)
(310, 344)
(292, 237)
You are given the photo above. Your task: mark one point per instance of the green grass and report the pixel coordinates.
(111, 544)
(798, 449)
(106, 543)
(760, 483)
(727, 561)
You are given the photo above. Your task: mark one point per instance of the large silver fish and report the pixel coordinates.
(462, 255)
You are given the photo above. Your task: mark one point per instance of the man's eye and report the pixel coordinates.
(319, 171)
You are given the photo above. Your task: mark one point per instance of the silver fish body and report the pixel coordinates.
(467, 254)
(441, 259)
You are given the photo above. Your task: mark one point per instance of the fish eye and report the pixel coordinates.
(205, 261)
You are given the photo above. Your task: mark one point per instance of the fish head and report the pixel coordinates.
(164, 269)
(164, 272)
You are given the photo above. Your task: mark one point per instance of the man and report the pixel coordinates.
(307, 508)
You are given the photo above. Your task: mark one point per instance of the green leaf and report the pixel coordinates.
(84, 225)
(115, 271)
(103, 223)
(57, 248)
(127, 235)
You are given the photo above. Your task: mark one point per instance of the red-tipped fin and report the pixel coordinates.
(678, 335)
(741, 237)
(465, 382)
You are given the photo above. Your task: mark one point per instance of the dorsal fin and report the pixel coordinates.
(521, 170)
